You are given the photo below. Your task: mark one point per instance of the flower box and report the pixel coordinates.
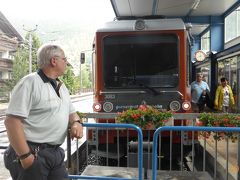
(219, 120)
(145, 117)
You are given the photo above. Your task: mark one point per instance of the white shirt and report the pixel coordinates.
(225, 96)
(45, 115)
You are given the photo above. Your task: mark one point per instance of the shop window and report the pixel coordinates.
(220, 71)
(205, 41)
(228, 68)
(233, 75)
(232, 25)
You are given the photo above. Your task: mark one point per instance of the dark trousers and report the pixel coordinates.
(197, 108)
(48, 163)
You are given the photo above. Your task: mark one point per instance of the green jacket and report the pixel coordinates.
(218, 102)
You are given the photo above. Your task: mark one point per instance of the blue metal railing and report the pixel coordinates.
(181, 128)
(140, 149)
(96, 177)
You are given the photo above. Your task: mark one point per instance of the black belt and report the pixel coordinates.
(43, 145)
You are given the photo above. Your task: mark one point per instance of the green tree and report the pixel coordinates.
(21, 67)
(70, 80)
(86, 76)
(21, 62)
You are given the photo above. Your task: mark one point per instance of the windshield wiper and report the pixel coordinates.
(152, 90)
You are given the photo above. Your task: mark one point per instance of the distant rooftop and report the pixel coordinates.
(7, 29)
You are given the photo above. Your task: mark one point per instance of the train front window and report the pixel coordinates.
(140, 61)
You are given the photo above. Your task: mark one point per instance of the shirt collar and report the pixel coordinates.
(53, 82)
(44, 77)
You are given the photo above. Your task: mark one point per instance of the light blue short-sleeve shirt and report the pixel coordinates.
(45, 115)
(197, 89)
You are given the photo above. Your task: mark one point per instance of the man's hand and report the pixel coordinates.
(27, 162)
(76, 130)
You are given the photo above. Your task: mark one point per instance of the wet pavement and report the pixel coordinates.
(4, 175)
(4, 172)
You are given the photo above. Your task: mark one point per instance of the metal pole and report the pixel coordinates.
(30, 46)
(238, 156)
(82, 61)
(69, 157)
(80, 78)
(30, 53)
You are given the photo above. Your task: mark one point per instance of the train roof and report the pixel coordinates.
(149, 24)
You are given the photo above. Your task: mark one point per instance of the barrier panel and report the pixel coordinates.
(114, 126)
(187, 128)
(194, 152)
(147, 144)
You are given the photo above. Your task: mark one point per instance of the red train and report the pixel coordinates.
(141, 61)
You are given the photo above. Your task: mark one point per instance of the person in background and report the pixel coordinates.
(38, 117)
(199, 90)
(224, 97)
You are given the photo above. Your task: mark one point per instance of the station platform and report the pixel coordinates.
(109, 171)
(132, 173)
(180, 175)
(222, 158)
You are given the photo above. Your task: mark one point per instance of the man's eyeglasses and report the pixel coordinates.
(65, 59)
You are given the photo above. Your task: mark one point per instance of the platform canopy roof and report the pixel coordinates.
(200, 13)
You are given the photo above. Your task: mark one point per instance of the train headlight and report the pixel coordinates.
(186, 105)
(97, 107)
(107, 106)
(175, 106)
(140, 24)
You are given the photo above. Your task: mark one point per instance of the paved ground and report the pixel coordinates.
(222, 154)
(3, 137)
(3, 107)
(4, 172)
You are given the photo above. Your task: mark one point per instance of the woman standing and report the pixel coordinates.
(224, 97)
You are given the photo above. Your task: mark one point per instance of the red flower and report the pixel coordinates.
(216, 123)
(225, 120)
(199, 123)
(229, 125)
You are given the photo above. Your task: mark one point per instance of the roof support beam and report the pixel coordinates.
(114, 6)
(154, 7)
(216, 35)
(200, 19)
(194, 7)
(231, 9)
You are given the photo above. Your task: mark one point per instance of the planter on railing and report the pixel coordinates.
(145, 117)
(219, 120)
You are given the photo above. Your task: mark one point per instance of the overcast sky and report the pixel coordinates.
(97, 11)
(55, 17)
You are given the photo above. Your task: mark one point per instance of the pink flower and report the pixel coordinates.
(143, 107)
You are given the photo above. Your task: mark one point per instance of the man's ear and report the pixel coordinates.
(53, 61)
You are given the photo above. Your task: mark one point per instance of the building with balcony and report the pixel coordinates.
(9, 41)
